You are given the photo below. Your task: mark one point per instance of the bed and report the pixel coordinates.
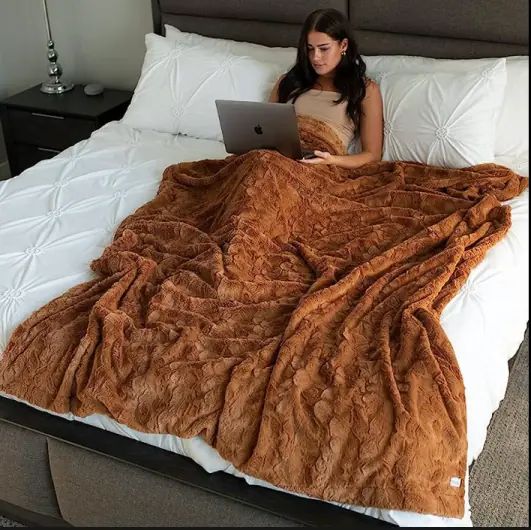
(80, 197)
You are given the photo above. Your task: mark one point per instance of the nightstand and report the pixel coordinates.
(38, 126)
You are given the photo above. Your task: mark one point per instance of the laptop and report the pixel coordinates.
(248, 125)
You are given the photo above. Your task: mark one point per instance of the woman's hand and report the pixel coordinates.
(321, 157)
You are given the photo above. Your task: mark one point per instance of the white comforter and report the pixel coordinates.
(59, 215)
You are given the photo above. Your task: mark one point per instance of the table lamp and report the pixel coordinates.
(54, 85)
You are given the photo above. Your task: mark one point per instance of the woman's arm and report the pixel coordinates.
(273, 98)
(371, 134)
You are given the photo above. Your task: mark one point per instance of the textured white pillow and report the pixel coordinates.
(179, 84)
(443, 119)
(512, 126)
(512, 133)
(390, 64)
(283, 57)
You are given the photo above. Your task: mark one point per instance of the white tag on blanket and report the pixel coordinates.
(455, 482)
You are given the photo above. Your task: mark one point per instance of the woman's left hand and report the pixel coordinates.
(322, 157)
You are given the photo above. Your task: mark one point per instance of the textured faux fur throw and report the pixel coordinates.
(287, 313)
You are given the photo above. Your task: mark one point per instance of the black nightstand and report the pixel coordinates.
(38, 126)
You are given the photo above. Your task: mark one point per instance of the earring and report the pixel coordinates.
(343, 53)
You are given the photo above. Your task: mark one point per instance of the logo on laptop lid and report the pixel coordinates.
(258, 129)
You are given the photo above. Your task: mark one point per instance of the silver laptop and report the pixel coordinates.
(248, 125)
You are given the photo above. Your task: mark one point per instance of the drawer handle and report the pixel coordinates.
(46, 150)
(48, 116)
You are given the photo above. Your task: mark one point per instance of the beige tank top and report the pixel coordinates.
(320, 104)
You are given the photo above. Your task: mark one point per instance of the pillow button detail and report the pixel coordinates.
(442, 133)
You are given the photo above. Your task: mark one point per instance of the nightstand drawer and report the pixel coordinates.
(47, 130)
(25, 156)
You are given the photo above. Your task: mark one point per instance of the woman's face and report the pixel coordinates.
(324, 52)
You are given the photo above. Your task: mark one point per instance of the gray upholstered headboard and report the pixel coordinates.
(431, 28)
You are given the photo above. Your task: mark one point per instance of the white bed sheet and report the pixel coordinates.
(59, 215)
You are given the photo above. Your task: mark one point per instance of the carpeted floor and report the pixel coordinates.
(499, 480)
(8, 522)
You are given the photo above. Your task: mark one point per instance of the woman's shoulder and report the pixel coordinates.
(372, 91)
(371, 87)
(279, 80)
(273, 98)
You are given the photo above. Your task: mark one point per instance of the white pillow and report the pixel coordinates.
(284, 57)
(443, 119)
(179, 84)
(512, 126)
(512, 135)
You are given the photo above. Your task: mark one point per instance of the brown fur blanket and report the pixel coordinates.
(288, 314)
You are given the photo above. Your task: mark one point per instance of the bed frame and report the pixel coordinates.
(56, 472)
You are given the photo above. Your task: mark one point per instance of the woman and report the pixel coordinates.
(328, 81)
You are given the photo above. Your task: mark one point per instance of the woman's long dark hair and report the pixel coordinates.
(349, 77)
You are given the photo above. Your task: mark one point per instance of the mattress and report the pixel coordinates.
(59, 215)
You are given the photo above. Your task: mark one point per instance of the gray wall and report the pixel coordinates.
(2, 147)
(97, 41)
